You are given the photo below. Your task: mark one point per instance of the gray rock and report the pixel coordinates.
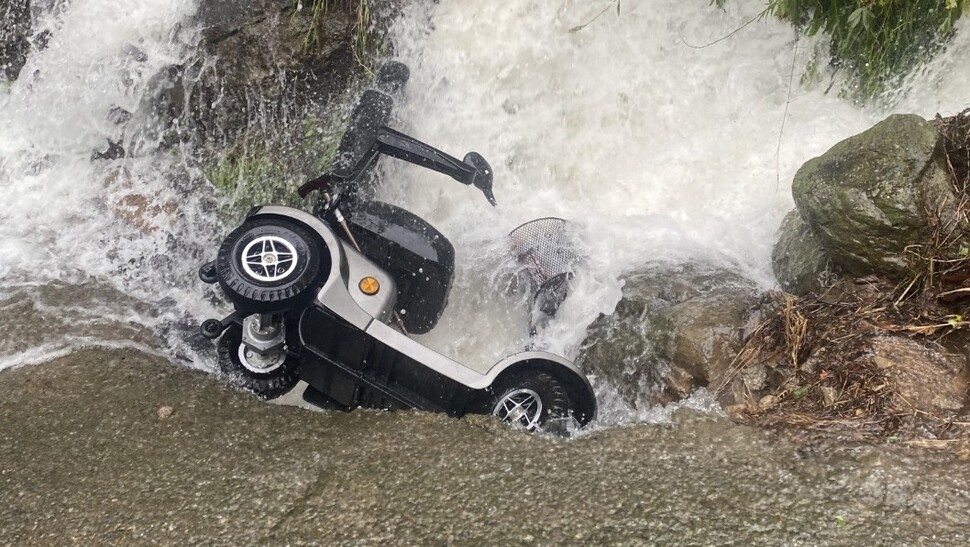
(754, 377)
(262, 107)
(872, 195)
(798, 259)
(263, 73)
(927, 378)
(15, 25)
(675, 329)
(220, 18)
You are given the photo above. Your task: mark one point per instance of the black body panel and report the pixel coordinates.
(354, 369)
(358, 147)
(419, 258)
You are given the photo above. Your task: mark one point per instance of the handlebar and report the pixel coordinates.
(368, 136)
(473, 170)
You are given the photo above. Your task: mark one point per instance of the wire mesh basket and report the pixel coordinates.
(545, 251)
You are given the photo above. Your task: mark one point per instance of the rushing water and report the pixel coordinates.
(124, 224)
(656, 148)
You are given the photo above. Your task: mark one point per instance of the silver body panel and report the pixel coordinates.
(380, 305)
(341, 295)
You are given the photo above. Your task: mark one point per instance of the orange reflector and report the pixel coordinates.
(369, 286)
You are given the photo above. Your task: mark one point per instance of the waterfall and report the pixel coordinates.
(661, 134)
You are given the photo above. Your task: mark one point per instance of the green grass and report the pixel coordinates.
(317, 11)
(877, 42)
(264, 170)
(247, 178)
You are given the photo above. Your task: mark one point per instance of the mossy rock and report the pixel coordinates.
(675, 329)
(266, 111)
(872, 196)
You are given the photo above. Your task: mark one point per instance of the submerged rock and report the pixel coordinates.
(675, 329)
(15, 25)
(267, 55)
(925, 376)
(872, 196)
(262, 107)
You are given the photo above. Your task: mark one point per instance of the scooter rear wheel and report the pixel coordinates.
(267, 380)
(529, 401)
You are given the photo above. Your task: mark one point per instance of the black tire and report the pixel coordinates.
(550, 393)
(267, 385)
(298, 258)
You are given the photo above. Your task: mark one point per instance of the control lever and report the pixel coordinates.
(320, 183)
(474, 170)
(483, 175)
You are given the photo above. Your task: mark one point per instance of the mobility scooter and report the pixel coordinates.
(333, 296)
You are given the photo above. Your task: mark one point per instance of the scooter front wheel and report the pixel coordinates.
(267, 377)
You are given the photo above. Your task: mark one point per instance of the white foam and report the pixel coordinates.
(65, 215)
(657, 150)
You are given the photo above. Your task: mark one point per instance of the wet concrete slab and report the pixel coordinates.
(113, 446)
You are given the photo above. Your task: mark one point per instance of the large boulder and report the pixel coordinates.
(15, 27)
(675, 329)
(265, 63)
(262, 107)
(872, 196)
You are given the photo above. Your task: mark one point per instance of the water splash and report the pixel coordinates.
(69, 216)
(657, 149)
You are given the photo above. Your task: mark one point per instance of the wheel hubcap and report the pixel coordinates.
(253, 361)
(521, 407)
(269, 258)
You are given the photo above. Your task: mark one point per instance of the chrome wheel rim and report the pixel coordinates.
(269, 258)
(520, 408)
(260, 364)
